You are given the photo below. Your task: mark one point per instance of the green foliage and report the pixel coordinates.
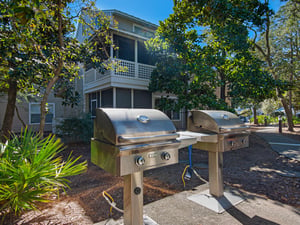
(246, 112)
(76, 129)
(271, 120)
(261, 119)
(277, 114)
(31, 170)
(269, 106)
(39, 51)
(296, 120)
(208, 47)
(66, 90)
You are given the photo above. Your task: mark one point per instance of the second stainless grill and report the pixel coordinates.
(216, 132)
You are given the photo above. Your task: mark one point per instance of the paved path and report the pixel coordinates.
(179, 210)
(280, 143)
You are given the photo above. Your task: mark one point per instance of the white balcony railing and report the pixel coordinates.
(133, 69)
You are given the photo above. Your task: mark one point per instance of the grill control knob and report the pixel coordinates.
(165, 156)
(139, 161)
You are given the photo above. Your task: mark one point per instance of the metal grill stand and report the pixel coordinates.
(216, 132)
(133, 199)
(215, 176)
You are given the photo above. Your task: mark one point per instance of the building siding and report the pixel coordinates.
(61, 111)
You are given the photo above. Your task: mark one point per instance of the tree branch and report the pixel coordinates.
(260, 49)
(267, 36)
(19, 117)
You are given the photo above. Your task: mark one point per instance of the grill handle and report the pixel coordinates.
(233, 129)
(124, 139)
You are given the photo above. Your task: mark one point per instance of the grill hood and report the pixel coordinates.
(215, 121)
(132, 126)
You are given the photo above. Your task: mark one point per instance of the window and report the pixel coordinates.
(143, 54)
(123, 98)
(94, 102)
(125, 48)
(107, 98)
(142, 99)
(143, 31)
(35, 114)
(93, 107)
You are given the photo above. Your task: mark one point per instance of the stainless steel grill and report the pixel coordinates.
(216, 132)
(128, 141)
(132, 140)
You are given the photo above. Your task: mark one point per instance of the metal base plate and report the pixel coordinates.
(218, 205)
(147, 221)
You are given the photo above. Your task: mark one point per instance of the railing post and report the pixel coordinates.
(136, 66)
(136, 70)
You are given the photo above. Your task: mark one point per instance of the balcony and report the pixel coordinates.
(135, 74)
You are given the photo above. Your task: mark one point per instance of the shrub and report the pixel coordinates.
(296, 120)
(31, 170)
(270, 119)
(76, 129)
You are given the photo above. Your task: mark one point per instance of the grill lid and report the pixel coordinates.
(216, 121)
(132, 126)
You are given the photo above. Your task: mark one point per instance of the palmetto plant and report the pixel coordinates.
(31, 170)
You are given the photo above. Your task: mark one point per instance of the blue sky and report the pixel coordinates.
(151, 10)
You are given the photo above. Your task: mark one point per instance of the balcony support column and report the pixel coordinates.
(114, 97)
(132, 98)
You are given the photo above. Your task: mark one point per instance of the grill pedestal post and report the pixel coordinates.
(215, 164)
(133, 199)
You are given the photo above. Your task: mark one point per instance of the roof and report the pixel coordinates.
(128, 16)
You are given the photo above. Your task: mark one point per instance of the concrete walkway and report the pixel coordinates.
(179, 210)
(280, 143)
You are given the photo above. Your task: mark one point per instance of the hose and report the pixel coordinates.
(190, 148)
(197, 175)
(182, 176)
(195, 172)
(111, 202)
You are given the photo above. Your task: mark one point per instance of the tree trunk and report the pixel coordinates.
(291, 74)
(288, 113)
(223, 86)
(10, 110)
(44, 102)
(255, 121)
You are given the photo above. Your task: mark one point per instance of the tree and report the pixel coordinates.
(210, 41)
(54, 52)
(60, 51)
(268, 48)
(16, 57)
(173, 75)
(285, 35)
